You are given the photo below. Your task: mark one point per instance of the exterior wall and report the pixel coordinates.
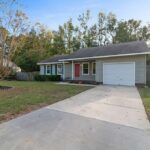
(140, 67)
(89, 77)
(41, 69)
(68, 72)
(54, 69)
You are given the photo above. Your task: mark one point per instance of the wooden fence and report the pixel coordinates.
(26, 76)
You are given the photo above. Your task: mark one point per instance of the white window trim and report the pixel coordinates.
(88, 68)
(92, 68)
(62, 69)
(47, 69)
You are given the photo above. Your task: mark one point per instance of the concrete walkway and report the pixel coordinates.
(105, 117)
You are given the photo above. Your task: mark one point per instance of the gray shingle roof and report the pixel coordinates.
(53, 59)
(114, 49)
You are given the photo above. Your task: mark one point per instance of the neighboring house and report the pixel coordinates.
(6, 62)
(12, 65)
(118, 64)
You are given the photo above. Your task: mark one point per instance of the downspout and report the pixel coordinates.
(63, 70)
(72, 70)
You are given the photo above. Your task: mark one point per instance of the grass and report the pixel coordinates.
(28, 96)
(145, 94)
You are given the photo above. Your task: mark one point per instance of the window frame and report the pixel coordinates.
(48, 69)
(93, 68)
(83, 68)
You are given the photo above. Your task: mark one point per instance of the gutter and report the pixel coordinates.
(96, 57)
(46, 63)
(50, 63)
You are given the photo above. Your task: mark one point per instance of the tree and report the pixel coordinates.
(122, 34)
(111, 26)
(76, 44)
(32, 47)
(145, 32)
(91, 40)
(101, 29)
(58, 45)
(83, 29)
(131, 30)
(68, 30)
(27, 45)
(14, 21)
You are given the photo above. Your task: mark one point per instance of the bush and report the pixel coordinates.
(47, 78)
(10, 77)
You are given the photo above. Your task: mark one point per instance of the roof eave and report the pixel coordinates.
(96, 57)
(48, 63)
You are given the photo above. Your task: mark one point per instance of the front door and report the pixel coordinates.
(77, 70)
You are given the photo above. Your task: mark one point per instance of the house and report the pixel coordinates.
(10, 64)
(117, 64)
(5, 62)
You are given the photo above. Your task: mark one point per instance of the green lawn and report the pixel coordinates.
(145, 94)
(28, 96)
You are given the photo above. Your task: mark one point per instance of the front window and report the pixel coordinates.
(59, 69)
(94, 68)
(48, 70)
(85, 69)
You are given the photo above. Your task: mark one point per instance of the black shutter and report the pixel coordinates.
(44, 69)
(56, 69)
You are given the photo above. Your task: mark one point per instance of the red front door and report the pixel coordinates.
(77, 70)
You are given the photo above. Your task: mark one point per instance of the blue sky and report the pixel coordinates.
(54, 12)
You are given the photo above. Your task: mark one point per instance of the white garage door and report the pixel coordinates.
(119, 73)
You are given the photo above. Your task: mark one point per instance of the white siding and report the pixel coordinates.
(99, 73)
(53, 70)
(68, 71)
(41, 69)
(140, 67)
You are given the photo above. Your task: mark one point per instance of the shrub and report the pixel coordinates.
(47, 78)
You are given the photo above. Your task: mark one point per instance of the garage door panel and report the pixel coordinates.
(119, 73)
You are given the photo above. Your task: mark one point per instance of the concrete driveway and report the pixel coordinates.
(105, 117)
